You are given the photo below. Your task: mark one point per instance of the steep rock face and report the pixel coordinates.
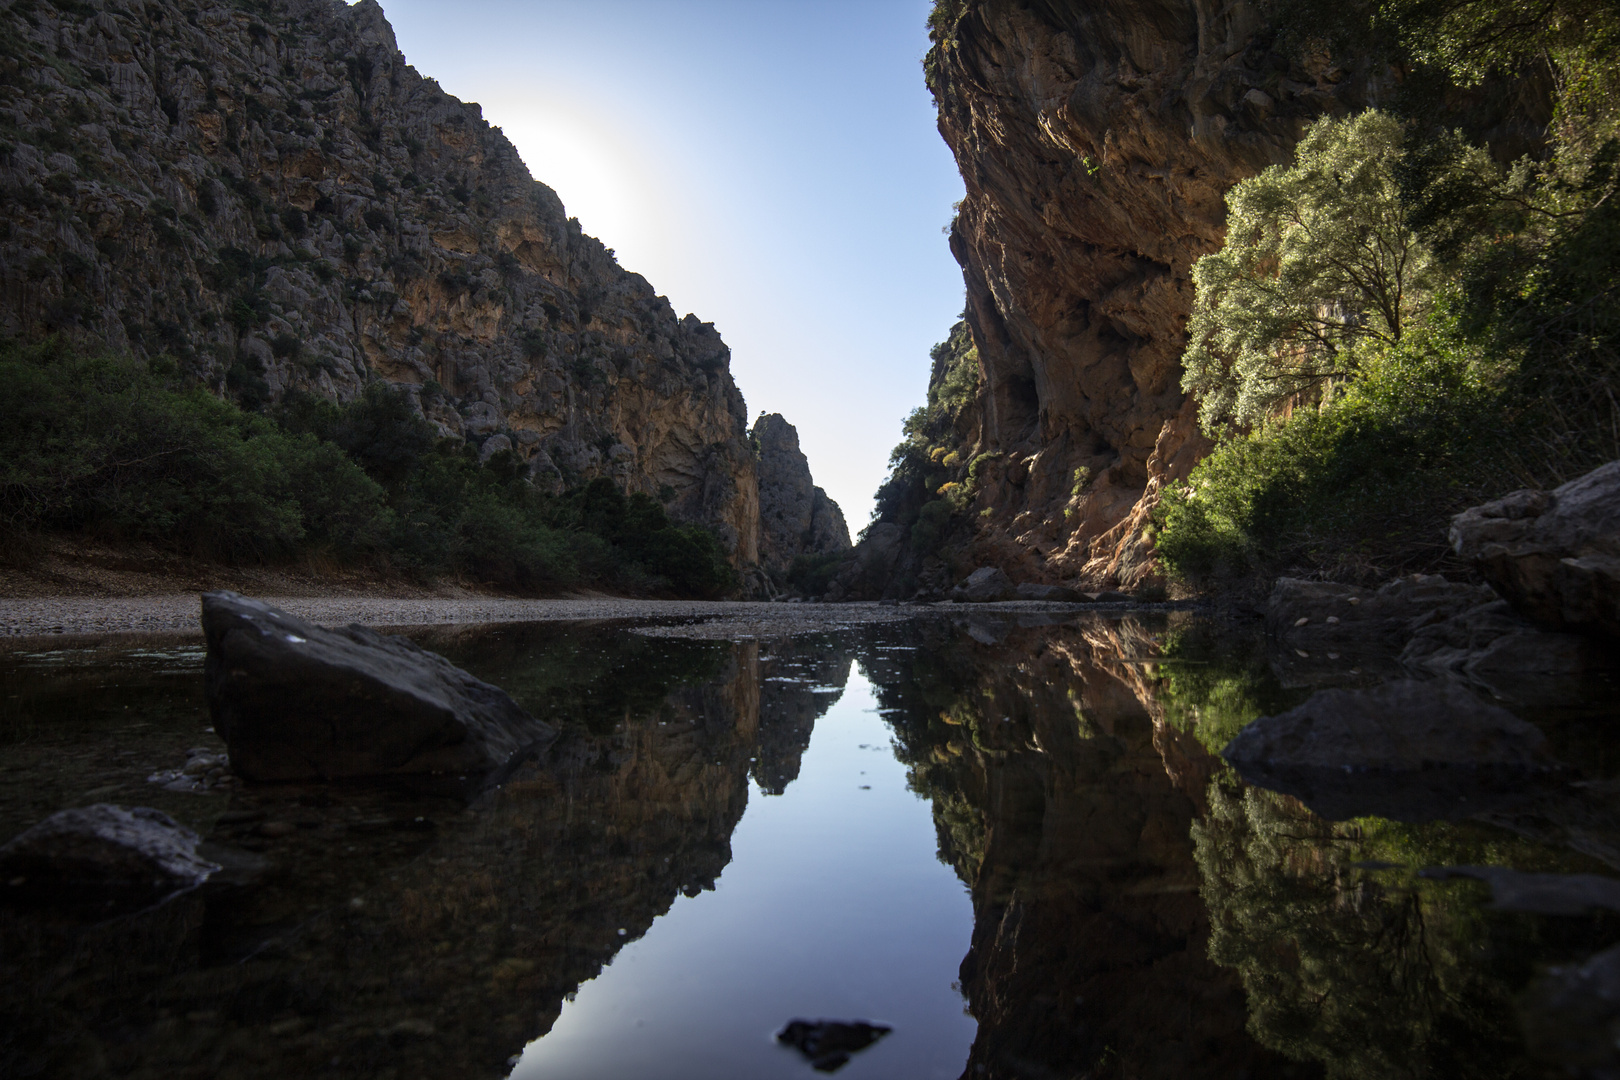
(1097, 141)
(795, 516)
(271, 195)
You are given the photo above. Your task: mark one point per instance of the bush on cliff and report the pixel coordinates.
(111, 447)
(1506, 369)
(929, 479)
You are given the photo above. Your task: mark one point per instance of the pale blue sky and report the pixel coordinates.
(769, 165)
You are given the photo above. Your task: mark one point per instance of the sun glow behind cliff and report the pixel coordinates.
(601, 178)
(770, 166)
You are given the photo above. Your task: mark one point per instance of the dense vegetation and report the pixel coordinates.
(1400, 325)
(111, 447)
(929, 481)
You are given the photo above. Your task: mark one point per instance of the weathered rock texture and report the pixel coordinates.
(1097, 141)
(270, 194)
(101, 861)
(299, 702)
(1555, 555)
(795, 517)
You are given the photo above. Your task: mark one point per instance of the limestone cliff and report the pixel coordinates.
(268, 193)
(795, 517)
(1097, 141)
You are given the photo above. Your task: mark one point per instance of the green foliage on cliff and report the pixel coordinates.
(1320, 265)
(1352, 428)
(109, 447)
(930, 478)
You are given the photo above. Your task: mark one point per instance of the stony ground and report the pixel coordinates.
(34, 617)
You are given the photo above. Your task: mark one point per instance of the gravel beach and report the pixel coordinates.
(37, 617)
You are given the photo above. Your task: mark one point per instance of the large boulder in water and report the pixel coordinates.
(1408, 750)
(294, 701)
(101, 861)
(1555, 555)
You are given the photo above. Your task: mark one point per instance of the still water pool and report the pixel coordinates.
(1008, 841)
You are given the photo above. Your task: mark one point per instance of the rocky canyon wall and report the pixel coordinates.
(269, 194)
(1097, 142)
(795, 516)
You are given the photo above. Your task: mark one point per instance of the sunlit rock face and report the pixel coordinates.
(795, 516)
(1097, 141)
(275, 198)
(1058, 807)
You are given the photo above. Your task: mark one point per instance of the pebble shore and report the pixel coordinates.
(39, 617)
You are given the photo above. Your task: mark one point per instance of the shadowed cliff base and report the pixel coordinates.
(294, 215)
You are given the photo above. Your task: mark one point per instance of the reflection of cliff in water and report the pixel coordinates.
(394, 935)
(1065, 802)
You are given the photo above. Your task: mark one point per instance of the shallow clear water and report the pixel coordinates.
(1010, 842)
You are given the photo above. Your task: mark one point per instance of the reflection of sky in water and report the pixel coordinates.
(833, 906)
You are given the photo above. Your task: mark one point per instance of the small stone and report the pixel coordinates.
(1302, 620)
(274, 830)
(1332, 619)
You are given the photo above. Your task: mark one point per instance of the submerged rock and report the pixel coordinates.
(1408, 750)
(827, 1044)
(101, 861)
(1571, 1016)
(294, 701)
(1323, 616)
(1555, 555)
(1493, 648)
(1538, 894)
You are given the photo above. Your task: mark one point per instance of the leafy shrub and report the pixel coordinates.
(123, 450)
(106, 445)
(811, 574)
(1369, 480)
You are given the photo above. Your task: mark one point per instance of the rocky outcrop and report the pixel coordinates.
(795, 516)
(1097, 142)
(271, 196)
(101, 861)
(298, 702)
(1554, 555)
(1408, 750)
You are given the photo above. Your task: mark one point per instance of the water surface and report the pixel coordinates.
(1012, 843)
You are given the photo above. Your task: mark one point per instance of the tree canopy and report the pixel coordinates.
(1320, 260)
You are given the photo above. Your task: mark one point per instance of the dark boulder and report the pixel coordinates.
(1407, 750)
(827, 1044)
(101, 861)
(1555, 555)
(294, 701)
(985, 585)
(1050, 594)
(1491, 647)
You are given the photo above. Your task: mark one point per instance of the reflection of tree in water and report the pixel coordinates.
(1372, 972)
(1054, 802)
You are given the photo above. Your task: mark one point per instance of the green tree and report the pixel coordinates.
(1320, 262)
